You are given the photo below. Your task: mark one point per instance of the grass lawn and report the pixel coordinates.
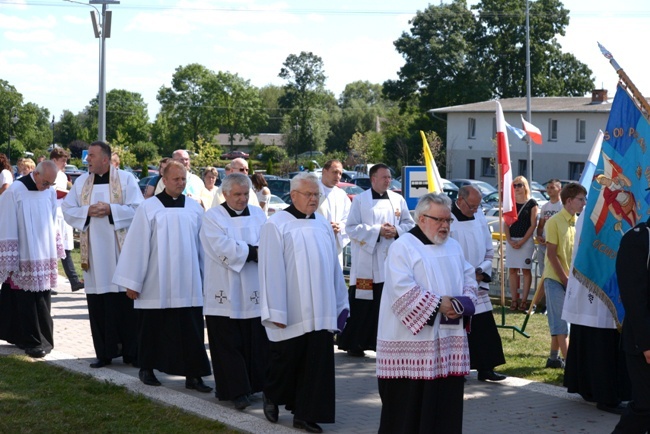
(76, 258)
(526, 357)
(39, 397)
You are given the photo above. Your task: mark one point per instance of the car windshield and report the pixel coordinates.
(352, 189)
(484, 187)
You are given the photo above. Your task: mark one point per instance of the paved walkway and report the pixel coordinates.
(513, 406)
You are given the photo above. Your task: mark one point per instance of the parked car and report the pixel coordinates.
(276, 204)
(350, 189)
(450, 189)
(142, 183)
(492, 199)
(234, 154)
(279, 187)
(72, 172)
(362, 181)
(483, 186)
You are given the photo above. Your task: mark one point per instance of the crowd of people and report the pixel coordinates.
(195, 253)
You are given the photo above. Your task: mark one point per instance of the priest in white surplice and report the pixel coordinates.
(335, 204)
(101, 205)
(238, 343)
(421, 361)
(30, 248)
(160, 266)
(195, 186)
(377, 218)
(304, 302)
(471, 231)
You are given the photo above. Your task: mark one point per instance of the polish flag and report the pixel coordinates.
(533, 132)
(503, 158)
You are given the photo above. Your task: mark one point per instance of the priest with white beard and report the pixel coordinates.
(422, 350)
(30, 246)
(335, 204)
(230, 236)
(101, 205)
(160, 266)
(304, 302)
(377, 218)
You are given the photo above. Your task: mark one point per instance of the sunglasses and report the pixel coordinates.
(518, 185)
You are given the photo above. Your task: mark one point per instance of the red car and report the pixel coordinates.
(350, 189)
(234, 154)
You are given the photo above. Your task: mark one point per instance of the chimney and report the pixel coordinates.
(598, 96)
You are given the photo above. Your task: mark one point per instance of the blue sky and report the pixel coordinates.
(48, 51)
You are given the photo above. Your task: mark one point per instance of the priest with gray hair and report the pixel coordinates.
(304, 302)
(230, 235)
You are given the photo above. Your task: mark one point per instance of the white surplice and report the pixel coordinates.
(417, 276)
(335, 207)
(368, 249)
(28, 238)
(231, 285)
(103, 251)
(161, 257)
(301, 281)
(476, 241)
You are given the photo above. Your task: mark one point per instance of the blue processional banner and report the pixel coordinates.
(618, 199)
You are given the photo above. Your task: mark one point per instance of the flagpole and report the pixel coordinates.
(528, 109)
(636, 95)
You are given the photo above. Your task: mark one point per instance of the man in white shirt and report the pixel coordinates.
(101, 206)
(304, 302)
(238, 165)
(195, 185)
(28, 270)
(335, 204)
(377, 218)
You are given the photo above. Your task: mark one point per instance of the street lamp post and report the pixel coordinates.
(102, 31)
(13, 118)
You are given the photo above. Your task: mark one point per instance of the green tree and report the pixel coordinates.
(270, 96)
(34, 127)
(126, 114)
(11, 102)
(369, 146)
(306, 125)
(237, 106)
(187, 104)
(145, 153)
(67, 129)
(161, 134)
(208, 154)
(456, 57)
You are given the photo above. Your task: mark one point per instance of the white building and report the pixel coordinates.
(569, 127)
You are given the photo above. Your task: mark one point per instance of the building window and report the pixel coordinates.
(552, 130)
(471, 128)
(575, 170)
(523, 164)
(487, 168)
(471, 170)
(581, 130)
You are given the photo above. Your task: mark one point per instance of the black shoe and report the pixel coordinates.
(356, 353)
(100, 363)
(147, 377)
(490, 375)
(619, 408)
(77, 286)
(53, 292)
(307, 426)
(35, 353)
(241, 402)
(270, 409)
(197, 384)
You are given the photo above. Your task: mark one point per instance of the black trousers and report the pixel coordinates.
(301, 376)
(25, 318)
(637, 418)
(68, 267)
(421, 406)
(112, 325)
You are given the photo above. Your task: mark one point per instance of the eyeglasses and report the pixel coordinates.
(309, 195)
(472, 208)
(439, 219)
(518, 185)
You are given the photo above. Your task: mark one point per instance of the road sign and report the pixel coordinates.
(84, 157)
(414, 184)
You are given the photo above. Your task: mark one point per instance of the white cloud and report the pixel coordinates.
(33, 36)
(12, 22)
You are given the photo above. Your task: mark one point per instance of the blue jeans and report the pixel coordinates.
(555, 293)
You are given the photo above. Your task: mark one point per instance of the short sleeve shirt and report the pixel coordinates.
(561, 231)
(6, 177)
